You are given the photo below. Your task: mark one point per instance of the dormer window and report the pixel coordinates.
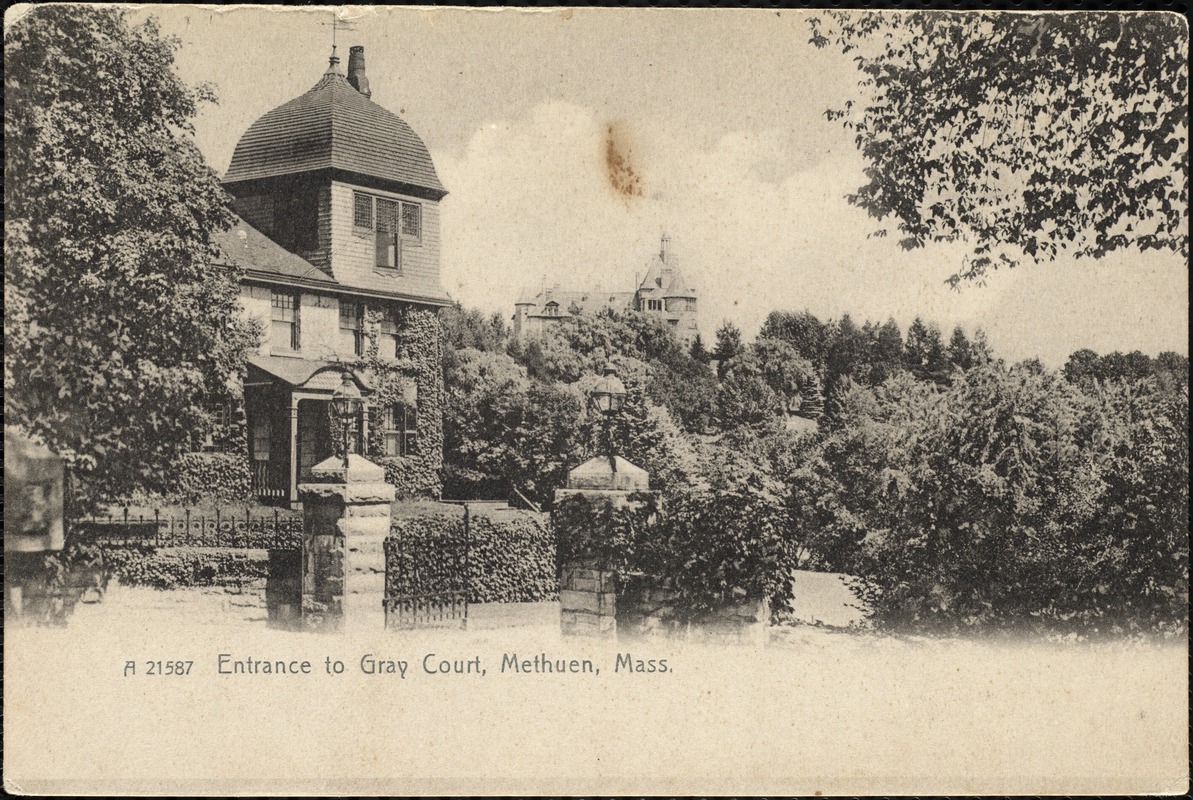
(393, 224)
(389, 244)
(552, 309)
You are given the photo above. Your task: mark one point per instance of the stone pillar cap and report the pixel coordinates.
(598, 473)
(359, 470)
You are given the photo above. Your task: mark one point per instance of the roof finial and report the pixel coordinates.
(333, 63)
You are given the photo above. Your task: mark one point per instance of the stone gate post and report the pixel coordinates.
(346, 517)
(587, 591)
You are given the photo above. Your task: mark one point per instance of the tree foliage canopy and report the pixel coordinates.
(120, 337)
(1025, 135)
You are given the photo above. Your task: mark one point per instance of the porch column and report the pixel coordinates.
(364, 429)
(293, 489)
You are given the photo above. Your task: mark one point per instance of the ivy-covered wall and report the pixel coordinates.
(223, 472)
(416, 363)
(418, 360)
(221, 476)
(506, 557)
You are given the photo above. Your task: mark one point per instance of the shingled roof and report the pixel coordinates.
(245, 247)
(334, 126)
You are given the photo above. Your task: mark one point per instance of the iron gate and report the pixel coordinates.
(427, 582)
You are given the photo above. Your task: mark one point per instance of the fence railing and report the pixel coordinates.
(264, 483)
(189, 530)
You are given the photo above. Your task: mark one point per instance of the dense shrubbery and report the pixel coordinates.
(716, 543)
(1009, 499)
(511, 558)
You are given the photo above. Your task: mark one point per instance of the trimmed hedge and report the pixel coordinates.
(510, 557)
(179, 567)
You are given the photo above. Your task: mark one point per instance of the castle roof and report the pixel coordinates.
(334, 126)
(576, 302)
(678, 287)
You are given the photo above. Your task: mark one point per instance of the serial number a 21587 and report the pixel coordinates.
(168, 667)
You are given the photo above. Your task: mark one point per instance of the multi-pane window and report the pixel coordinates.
(352, 327)
(217, 435)
(260, 440)
(393, 222)
(389, 244)
(412, 221)
(284, 324)
(400, 429)
(362, 210)
(387, 340)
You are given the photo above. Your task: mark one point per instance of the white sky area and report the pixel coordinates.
(720, 114)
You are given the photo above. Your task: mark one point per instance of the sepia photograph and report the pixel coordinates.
(557, 401)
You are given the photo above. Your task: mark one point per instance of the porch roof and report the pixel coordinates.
(305, 373)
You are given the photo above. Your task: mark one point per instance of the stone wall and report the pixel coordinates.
(646, 606)
(587, 600)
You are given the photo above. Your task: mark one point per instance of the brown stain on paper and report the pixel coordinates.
(619, 166)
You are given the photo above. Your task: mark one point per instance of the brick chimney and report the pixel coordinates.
(356, 70)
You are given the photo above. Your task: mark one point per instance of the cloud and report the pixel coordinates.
(757, 228)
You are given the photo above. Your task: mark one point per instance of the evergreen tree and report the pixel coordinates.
(960, 351)
(924, 353)
(887, 352)
(698, 352)
(847, 352)
(728, 345)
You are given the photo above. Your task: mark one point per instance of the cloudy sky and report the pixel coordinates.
(720, 115)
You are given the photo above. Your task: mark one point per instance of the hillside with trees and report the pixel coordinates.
(962, 492)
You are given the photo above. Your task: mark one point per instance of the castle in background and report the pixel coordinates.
(663, 292)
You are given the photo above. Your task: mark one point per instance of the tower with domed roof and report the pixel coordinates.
(337, 240)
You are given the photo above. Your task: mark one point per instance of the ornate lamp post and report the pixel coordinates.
(606, 399)
(344, 407)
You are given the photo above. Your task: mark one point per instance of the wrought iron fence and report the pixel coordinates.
(189, 529)
(427, 580)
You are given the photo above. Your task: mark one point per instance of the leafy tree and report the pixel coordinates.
(1026, 135)
(1010, 499)
(744, 396)
(698, 353)
(687, 389)
(120, 336)
(1082, 366)
(784, 370)
(468, 327)
(803, 331)
(1173, 368)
